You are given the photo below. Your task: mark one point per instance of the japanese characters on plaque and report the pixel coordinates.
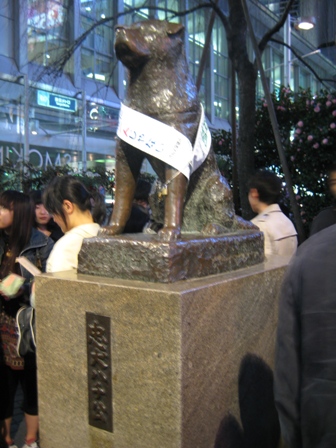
(99, 371)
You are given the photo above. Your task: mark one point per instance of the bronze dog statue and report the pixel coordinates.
(160, 87)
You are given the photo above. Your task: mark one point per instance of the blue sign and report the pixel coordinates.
(54, 101)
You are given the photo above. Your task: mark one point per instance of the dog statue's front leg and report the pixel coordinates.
(176, 185)
(128, 165)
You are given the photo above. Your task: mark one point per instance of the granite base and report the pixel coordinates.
(176, 350)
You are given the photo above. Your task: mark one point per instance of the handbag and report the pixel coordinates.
(8, 342)
(25, 317)
(25, 321)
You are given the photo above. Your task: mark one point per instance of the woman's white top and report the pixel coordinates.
(280, 237)
(64, 256)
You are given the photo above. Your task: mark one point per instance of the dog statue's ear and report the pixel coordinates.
(175, 28)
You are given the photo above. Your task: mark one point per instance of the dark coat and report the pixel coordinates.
(305, 364)
(324, 219)
(137, 221)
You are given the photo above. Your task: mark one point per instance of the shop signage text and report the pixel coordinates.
(37, 157)
(60, 102)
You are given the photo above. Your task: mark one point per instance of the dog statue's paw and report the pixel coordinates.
(213, 229)
(169, 233)
(242, 224)
(111, 230)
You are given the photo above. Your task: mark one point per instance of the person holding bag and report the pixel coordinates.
(18, 238)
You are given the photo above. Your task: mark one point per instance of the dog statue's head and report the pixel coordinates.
(157, 39)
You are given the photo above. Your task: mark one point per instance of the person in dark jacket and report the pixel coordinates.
(18, 237)
(305, 362)
(327, 216)
(140, 213)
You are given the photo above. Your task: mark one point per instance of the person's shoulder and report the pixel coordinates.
(84, 231)
(326, 213)
(324, 219)
(320, 243)
(269, 213)
(38, 238)
(277, 224)
(37, 235)
(314, 260)
(286, 221)
(328, 210)
(274, 213)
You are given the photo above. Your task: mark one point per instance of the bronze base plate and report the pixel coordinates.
(146, 257)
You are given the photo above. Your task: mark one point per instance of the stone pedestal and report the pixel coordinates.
(175, 353)
(146, 257)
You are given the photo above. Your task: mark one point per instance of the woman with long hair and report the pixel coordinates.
(78, 213)
(18, 237)
(43, 220)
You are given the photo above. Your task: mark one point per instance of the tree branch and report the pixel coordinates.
(263, 42)
(301, 60)
(328, 80)
(223, 18)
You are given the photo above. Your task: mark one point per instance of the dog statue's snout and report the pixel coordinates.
(119, 29)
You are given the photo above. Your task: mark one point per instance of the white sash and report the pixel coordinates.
(164, 142)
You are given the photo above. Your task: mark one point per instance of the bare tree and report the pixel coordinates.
(236, 32)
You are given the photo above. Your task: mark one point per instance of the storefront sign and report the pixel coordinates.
(60, 102)
(39, 157)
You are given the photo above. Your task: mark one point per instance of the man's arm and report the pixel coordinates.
(287, 360)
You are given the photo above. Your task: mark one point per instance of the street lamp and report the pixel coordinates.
(302, 23)
(305, 23)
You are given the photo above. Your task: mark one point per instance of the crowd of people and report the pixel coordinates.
(48, 229)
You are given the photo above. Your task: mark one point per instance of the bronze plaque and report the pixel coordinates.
(99, 371)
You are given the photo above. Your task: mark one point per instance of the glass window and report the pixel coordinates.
(196, 37)
(136, 16)
(173, 5)
(277, 72)
(267, 69)
(47, 30)
(315, 85)
(101, 120)
(7, 26)
(97, 50)
(278, 6)
(292, 76)
(304, 79)
(221, 71)
(11, 114)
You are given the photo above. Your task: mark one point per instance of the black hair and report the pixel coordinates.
(268, 185)
(54, 229)
(98, 207)
(23, 221)
(142, 190)
(36, 196)
(69, 188)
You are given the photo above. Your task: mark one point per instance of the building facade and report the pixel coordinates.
(57, 110)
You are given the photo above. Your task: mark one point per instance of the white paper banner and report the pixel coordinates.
(164, 142)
